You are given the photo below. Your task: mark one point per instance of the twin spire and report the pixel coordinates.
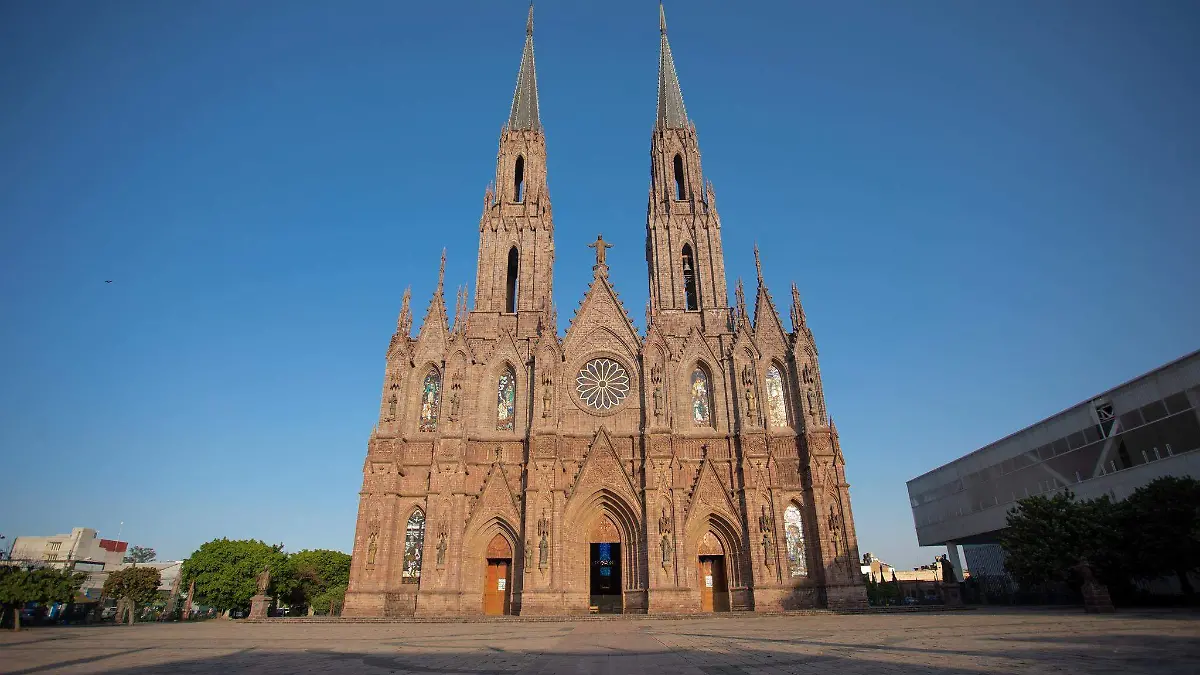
(524, 113)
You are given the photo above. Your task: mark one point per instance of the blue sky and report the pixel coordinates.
(990, 210)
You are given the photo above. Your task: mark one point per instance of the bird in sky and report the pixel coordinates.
(108, 281)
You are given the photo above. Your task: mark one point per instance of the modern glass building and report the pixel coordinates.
(1109, 444)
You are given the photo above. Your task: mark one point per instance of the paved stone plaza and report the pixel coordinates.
(982, 641)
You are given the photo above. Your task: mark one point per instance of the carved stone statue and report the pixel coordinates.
(543, 541)
(441, 549)
(372, 547)
(391, 413)
(666, 549)
(765, 522)
(656, 377)
(264, 580)
(664, 521)
(528, 557)
(768, 549)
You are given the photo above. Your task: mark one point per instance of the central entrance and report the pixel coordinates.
(604, 586)
(714, 590)
(497, 591)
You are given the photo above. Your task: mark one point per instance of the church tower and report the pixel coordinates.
(683, 230)
(516, 230)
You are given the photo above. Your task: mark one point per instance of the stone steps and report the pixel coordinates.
(600, 617)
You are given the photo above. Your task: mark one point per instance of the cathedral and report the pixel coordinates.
(514, 470)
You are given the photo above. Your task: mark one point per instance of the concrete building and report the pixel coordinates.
(1110, 444)
(81, 545)
(690, 468)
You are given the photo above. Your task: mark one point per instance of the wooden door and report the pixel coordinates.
(496, 591)
(720, 588)
(706, 583)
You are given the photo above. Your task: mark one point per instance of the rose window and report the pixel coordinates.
(602, 384)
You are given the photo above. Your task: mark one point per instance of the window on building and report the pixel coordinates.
(689, 278)
(506, 400)
(776, 405)
(414, 543)
(431, 399)
(679, 182)
(519, 180)
(793, 527)
(701, 397)
(510, 289)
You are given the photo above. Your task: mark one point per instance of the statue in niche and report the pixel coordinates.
(391, 412)
(547, 397)
(765, 522)
(455, 398)
(441, 549)
(664, 521)
(543, 541)
(656, 377)
(768, 549)
(666, 549)
(751, 401)
(835, 532)
(372, 547)
(528, 558)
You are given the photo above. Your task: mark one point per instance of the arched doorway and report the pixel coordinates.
(497, 582)
(604, 556)
(714, 582)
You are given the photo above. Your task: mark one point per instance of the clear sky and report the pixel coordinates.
(991, 210)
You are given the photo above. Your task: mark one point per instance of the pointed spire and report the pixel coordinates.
(524, 113)
(671, 113)
(798, 319)
(740, 294)
(404, 323)
(442, 276)
(758, 264)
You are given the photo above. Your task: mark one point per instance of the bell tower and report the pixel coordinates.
(683, 231)
(516, 230)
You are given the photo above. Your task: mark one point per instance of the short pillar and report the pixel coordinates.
(259, 605)
(955, 560)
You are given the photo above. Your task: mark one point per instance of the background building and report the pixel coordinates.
(1110, 444)
(81, 545)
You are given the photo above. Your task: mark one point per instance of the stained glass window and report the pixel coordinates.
(794, 528)
(701, 405)
(776, 410)
(431, 400)
(414, 542)
(506, 400)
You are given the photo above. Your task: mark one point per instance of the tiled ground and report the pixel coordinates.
(957, 643)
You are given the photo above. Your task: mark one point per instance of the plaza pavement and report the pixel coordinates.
(952, 643)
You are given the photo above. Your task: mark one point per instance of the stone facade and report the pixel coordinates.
(516, 470)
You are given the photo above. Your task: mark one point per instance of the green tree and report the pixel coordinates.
(21, 585)
(1047, 537)
(140, 554)
(1162, 529)
(226, 571)
(330, 600)
(309, 574)
(136, 585)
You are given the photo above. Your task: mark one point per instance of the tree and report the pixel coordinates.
(135, 586)
(226, 571)
(1047, 537)
(140, 554)
(1162, 529)
(309, 574)
(21, 585)
(330, 600)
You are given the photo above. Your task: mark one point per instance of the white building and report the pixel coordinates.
(1110, 444)
(81, 545)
